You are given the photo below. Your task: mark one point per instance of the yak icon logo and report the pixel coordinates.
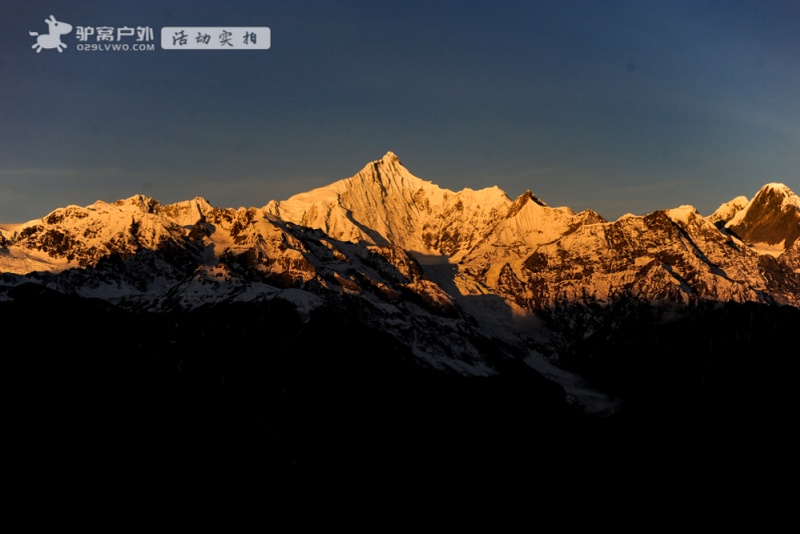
(52, 39)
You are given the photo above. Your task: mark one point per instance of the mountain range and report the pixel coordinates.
(382, 280)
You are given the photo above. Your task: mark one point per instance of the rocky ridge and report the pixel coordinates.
(445, 273)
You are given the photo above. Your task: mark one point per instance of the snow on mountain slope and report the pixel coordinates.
(676, 255)
(726, 211)
(80, 236)
(481, 230)
(525, 251)
(385, 203)
(772, 217)
(529, 223)
(770, 224)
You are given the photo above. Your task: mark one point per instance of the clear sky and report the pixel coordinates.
(617, 106)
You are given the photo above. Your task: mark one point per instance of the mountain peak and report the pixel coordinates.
(388, 165)
(776, 186)
(772, 217)
(142, 202)
(390, 157)
(775, 191)
(523, 199)
(683, 213)
(778, 194)
(534, 198)
(728, 210)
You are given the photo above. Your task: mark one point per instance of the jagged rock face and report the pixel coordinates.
(529, 224)
(772, 217)
(675, 255)
(155, 250)
(354, 237)
(727, 211)
(80, 236)
(384, 203)
(483, 230)
(792, 257)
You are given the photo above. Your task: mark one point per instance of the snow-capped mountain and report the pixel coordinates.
(445, 274)
(727, 210)
(385, 203)
(535, 256)
(770, 223)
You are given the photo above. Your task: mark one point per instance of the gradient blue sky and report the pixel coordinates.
(618, 106)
